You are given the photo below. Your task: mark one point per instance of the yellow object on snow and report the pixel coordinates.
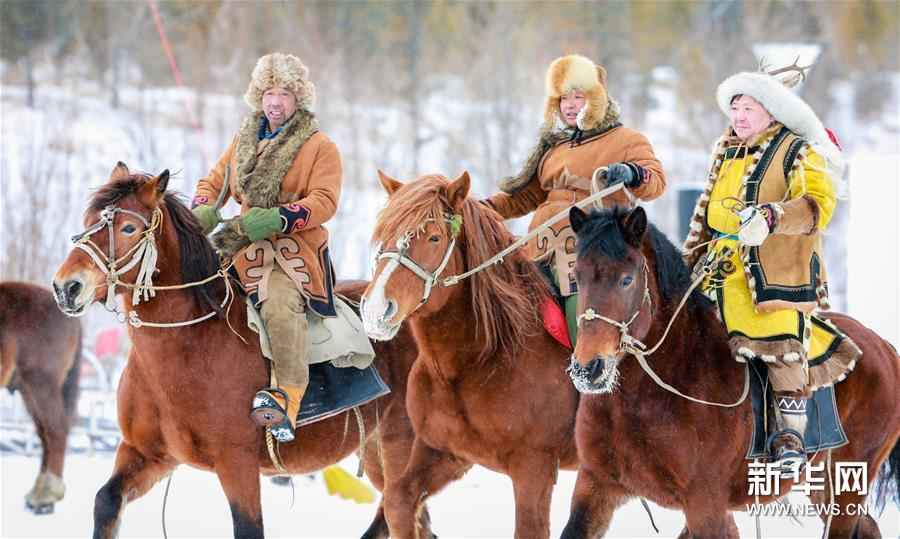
(341, 483)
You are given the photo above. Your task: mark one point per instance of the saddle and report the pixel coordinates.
(336, 345)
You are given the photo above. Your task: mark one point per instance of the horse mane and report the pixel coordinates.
(198, 258)
(505, 297)
(601, 234)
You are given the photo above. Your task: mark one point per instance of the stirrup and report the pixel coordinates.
(787, 459)
(267, 412)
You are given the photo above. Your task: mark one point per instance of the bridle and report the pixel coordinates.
(145, 254)
(432, 278)
(627, 343)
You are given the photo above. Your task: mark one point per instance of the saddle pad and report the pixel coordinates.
(823, 429)
(332, 390)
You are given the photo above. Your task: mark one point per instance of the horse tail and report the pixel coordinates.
(70, 388)
(887, 485)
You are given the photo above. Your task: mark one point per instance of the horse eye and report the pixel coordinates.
(434, 239)
(627, 280)
(128, 229)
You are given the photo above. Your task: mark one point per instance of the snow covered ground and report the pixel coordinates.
(480, 505)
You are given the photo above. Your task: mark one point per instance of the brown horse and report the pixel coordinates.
(40, 355)
(185, 394)
(489, 386)
(640, 440)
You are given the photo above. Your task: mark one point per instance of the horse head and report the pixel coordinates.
(118, 252)
(418, 235)
(614, 294)
(121, 220)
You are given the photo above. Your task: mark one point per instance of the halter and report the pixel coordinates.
(627, 343)
(430, 278)
(144, 253)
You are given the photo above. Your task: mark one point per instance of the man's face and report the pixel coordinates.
(748, 117)
(278, 105)
(570, 105)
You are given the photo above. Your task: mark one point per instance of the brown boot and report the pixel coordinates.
(786, 444)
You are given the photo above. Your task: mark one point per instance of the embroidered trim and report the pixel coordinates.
(295, 216)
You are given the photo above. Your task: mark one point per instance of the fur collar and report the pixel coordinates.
(259, 177)
(550, 138)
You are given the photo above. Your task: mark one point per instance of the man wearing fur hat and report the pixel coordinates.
(769, 196)
(286, 175)
(581, 133)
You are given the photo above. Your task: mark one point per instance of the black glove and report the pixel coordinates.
(628, 173)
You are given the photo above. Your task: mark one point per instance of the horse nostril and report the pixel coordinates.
(71, 289)
(390, 311)
(595, 368)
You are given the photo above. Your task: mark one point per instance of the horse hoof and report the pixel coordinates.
(40, 508)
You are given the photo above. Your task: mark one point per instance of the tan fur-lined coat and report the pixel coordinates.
(558, 175)
(299, 171)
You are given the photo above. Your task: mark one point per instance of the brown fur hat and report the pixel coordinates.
(575, 72)
(282, 70)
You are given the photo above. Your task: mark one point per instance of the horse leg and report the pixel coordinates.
(705, 522)
(846, 522)
(240, 481)
(45, 405)
(593, 503)
(428, 471)
(385, 461)
(133, 475)
(533, 475)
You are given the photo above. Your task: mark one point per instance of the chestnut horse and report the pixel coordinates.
(640, 440)
(489, 385)
(185, 394)
(40, 356)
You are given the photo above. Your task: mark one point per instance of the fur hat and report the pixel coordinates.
(282, 70)
(785, 106)
(575, 72)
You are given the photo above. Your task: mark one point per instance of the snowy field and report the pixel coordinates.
(480, 505)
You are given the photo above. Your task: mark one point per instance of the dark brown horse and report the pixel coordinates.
(185, 394)
(640, 440)
(40, 356)
(489, 386)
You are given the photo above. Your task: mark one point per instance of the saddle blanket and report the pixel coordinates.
(823, 429)
(332, 391)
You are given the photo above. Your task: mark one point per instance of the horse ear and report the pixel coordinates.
(152, 191)
(458, 190)
(162, 182)
(390, 184)
(119, 172)
(577, 218)
(634, 225)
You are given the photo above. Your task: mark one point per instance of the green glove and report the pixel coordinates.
(207, 216)
(260, 223)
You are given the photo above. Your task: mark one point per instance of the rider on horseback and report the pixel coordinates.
(581, 133)
(286, 175)
(769, 196)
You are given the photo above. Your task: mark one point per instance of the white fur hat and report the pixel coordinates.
(785, 106)
(575, 72)
(284, 71)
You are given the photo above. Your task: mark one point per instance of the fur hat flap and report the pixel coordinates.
(284, 71)
(785, 106)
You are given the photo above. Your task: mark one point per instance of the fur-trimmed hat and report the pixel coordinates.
(575, 72)
(785, 106)
(284, 71)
